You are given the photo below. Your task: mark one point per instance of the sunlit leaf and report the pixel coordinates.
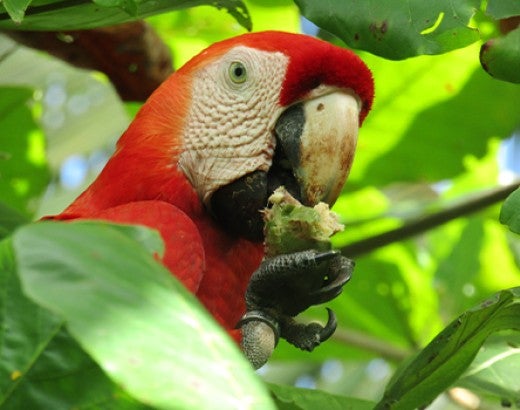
(396, 29)
(440, 363)
(41, 365)
(149, 335)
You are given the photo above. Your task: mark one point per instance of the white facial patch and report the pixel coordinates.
(235, 104)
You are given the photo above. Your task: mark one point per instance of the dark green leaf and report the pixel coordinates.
(440, 363)
(396, 29)
(23, 168)
(500, 56)
(41, 366)
(82, 14)
(146, 332)
(500, 9)
(510, 212)
(293, 398)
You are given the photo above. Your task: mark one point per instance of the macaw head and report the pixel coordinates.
(255, 112)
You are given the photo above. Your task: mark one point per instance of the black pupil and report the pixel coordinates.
(239, 71)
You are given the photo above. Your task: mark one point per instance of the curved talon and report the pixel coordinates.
(330, 327)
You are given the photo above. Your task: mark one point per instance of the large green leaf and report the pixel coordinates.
(23, 168)
(510, 213)
(80, 14)
(440, 363)
(500, 57)
(41, 366)
(396, 29)
(438, 140)
(141, 326)
(405, 88)
(292, 398)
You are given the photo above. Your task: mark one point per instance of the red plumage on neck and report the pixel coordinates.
(144, 165)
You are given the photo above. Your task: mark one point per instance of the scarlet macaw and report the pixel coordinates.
(207, 149)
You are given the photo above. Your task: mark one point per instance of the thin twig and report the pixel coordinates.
(371, 344)
(431, 221)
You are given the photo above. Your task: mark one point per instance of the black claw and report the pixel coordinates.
(338, 282)
(288, 284)
(324, 256)
(330, 327)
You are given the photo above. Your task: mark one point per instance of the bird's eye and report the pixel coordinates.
(237, 72)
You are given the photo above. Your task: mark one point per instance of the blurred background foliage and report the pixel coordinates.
(441, 134)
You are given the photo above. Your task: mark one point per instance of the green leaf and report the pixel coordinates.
(23, 168)
(500, 9)
(74, 15)
(144, 329)
(440, 363)
(439, 134)
(500, 56)
(404, 89)
(495, 369)
(130, 6)
(293, 398)
(396, 29)
(510, 212)
(16, 9)
(41, 366)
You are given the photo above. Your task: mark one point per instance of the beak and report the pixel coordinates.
(318, 138)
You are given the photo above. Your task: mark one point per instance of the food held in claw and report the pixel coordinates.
(292, 227)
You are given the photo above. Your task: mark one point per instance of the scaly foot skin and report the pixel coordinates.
(281, 288)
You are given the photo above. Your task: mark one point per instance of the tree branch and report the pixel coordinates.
(132, 55)
(380, 347)
(431, 221)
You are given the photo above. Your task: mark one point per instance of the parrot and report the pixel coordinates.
(210, 145)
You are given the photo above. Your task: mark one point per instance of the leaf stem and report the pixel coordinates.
(427, 222)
